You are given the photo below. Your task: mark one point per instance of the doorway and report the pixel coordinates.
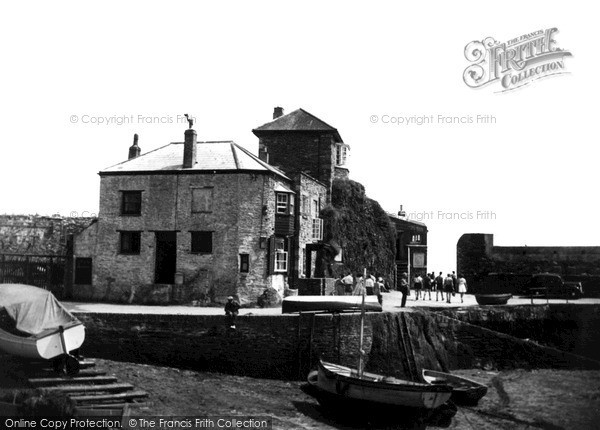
(166, 257)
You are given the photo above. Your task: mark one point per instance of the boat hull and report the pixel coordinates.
(464, 391)
(328, 304)
(492, 299)
(46, 346)
(342, 384)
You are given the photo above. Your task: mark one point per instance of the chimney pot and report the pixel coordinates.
(134, 150)
(277, 112)
(189, 149)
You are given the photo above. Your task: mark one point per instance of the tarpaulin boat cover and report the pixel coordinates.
(33, 309)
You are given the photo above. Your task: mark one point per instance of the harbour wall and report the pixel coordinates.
(570, 327)
(289, 346)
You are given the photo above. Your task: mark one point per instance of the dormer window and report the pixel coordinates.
(285, 204)
(341, 153)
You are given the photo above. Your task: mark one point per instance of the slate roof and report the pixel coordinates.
(298, 120)
(210, 156)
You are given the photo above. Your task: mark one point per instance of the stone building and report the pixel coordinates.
(301, 142)
(411, 245)
(196, 221)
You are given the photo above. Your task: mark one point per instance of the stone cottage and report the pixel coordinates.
(196, 221)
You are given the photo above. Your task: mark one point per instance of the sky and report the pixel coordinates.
(78, 79)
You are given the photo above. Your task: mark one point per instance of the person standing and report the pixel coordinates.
(382, 286)
(462, 287)
(370, 285)
(339, 287)
(417, 285)
(359, 288)
(448, 287)
(427, 281)
(439, 286)
(348, 282)
(232, 309)
(404, 289)
(454, 280)
(377, 291)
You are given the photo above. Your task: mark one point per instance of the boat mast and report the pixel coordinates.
(361, 353)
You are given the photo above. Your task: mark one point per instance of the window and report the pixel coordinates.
(317, 229)
(202, 199)
(130, 242)
(131, 203)
(316, 208)
(416, 238)
(341, 153)
(244, 263)
(284, 203)
(279, 255)
(304, 207)
(202, 242)
(83, 271)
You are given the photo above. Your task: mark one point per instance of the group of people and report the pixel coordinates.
(369, 285)
(446, 286)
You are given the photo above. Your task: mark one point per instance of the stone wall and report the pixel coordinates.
(288, 346)
(307, 189)
(38, 235)
(569, 327)
(476, 256)
(309, 152)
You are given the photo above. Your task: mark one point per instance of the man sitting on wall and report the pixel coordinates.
(232, 309)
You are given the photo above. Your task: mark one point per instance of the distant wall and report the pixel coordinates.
(38, 235)
(477, 256)
(288, 346)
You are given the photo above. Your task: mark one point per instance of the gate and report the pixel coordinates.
(44, 271)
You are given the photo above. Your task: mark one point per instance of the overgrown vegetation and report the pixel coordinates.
(361, 228)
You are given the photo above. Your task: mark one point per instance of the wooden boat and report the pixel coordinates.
(493, 299)
(355, 389)
(464, 391)
(293, 304)
(36, 325)
(344, 383)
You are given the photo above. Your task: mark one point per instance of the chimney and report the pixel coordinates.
(401, 213)
(277, 112)
(134, 150)
(189, 149)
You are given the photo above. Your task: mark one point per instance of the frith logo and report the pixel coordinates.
(515, 63)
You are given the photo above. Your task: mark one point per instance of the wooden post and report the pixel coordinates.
(49, 267)
(68, 276)
(27, 271)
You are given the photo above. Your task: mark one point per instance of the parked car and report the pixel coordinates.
(552, 285)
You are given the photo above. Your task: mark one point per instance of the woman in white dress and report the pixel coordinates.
(462, 287)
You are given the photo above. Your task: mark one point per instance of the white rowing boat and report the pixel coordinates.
(37, 325)
(328, 304)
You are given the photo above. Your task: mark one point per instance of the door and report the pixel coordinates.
(166, 257)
